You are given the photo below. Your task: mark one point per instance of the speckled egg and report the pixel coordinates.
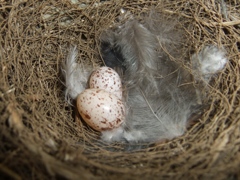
(100, 109)
(108, 79)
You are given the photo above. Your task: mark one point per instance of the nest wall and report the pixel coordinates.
(42, 138)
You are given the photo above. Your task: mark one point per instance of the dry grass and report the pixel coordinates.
(40, 138)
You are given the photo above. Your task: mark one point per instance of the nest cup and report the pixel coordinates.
(43, 138)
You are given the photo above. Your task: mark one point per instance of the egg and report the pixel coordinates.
(100, 109)
(108, 79)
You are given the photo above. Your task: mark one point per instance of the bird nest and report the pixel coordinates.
(43, 138)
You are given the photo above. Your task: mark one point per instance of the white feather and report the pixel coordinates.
(159, 95)
(208, 61)
(159, 104)
(76, 75)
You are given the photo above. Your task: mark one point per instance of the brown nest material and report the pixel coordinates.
(41, 139)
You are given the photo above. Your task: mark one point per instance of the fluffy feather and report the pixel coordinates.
(134, 42)
(207, 62)
(159, 94)
(76, 75)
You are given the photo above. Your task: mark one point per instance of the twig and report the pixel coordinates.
(9, 172)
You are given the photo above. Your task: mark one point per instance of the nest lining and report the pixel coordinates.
(41, 138)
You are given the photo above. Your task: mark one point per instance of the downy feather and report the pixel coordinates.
(159, 93)
(76, 75)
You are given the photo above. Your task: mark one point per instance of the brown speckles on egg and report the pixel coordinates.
(87, 116)
(102, 111)
(122, 110)
(107, 79)
(104, 121)
(110, 125)
(118, 121)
